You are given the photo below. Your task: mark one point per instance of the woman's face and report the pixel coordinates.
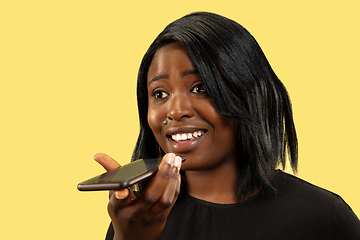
(194, 127)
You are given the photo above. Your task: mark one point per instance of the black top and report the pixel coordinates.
(297, 210)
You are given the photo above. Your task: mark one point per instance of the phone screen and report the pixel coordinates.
(122, 177)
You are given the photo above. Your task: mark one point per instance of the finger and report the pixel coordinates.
(171, 191)
(115, 205)
(138, 208)
(162, 209)
(106, 161)
(157, 186)
(121, 194)
(119, 199)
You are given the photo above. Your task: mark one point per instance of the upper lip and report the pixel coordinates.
(182, 129)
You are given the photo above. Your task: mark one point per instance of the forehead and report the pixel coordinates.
(168, 58)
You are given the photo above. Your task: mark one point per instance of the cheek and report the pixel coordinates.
(225, 130)
(155, 119)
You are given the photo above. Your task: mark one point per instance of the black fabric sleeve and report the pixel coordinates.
(110, 232)
(344, 224)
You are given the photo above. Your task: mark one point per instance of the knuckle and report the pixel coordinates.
(148, 219)
(177, 192)
(112, 209)
(129, 216)
(169, 172)
(164, 172)
(166, 201)
(123, 214)
(150, 197)
(177, 189)
(164, 204)
(114, 205)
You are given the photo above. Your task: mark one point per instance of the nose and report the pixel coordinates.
(180, 108)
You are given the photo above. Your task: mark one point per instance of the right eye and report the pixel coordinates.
(158, 95)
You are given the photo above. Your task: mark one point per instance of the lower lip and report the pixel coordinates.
(187, 145)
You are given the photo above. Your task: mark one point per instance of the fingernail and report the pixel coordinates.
(178, 161)
(119, 195)
(170, 158)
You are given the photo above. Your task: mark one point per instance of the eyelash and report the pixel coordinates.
(202, 91)
(156, 92)
(194, 89)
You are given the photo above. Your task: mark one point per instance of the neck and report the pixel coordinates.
(216, 185)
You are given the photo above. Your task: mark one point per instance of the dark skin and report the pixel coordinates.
(195, 129)
(144, 217)
(177, 94)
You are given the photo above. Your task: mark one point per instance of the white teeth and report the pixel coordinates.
(185, 136)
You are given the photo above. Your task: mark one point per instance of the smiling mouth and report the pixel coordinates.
(179, 137)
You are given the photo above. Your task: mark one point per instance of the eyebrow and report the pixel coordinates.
(158, 77)
(189, 72)
(165, 76)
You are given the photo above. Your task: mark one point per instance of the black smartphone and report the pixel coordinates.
(123, 177)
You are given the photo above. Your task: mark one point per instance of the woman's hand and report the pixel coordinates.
(144, 217)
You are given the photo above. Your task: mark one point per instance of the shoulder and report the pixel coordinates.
(320, 207)
(290, 184)
(297, 191)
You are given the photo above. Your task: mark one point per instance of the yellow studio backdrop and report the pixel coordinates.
(68, 71)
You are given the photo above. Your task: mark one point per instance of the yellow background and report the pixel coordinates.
(68, 72)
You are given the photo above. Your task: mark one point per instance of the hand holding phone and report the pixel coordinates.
(144, 217)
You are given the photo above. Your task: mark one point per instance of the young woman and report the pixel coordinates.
(207, 92)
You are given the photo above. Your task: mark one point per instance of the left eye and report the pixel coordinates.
(200, 88)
